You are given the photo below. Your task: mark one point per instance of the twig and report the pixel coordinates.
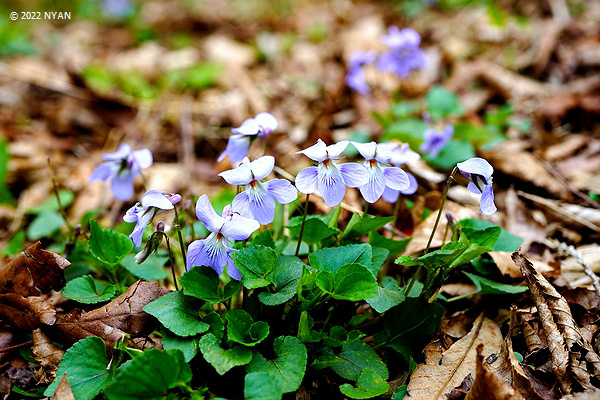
(572, 251)
(16, 346)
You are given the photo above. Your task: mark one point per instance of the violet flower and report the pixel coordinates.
(479, 172)
(356, 78)
(260, 127)
(401, 154)
(259, 197)
(121, 167)
(435, 141)
(153, 202)
(404, 55)
(215, 250)
(380, 175)
(329, 178)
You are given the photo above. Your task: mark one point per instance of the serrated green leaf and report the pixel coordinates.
(152, 269)
(149, 376)
(363, 224)
(261, 386)
(305, 331)
(242, 329)
(488, 286)
(178, 313)
(289, 365)
(443, 256)
(410, 324)
(379, 256)
(223, 360)
(255, 264)
(187, 345)
(203, 283)
(315, 229)
(85, 364)
(368, 385)
(506, 241)
(107, 245)
(45, 224)
(285, 276)
(332, 258)
(87, 290)
(355, 357)
(389, 295)
(264, 238)
(352, 282)
(217, 325)
(395, 247)
(338, 336)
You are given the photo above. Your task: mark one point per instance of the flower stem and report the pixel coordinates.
(56, 194)
(366, 209)
(303, 222)
(172, 261)
(179, 235)
(435, 225)
(396, 212)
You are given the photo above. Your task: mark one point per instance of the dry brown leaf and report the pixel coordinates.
(63, 390)
(423, 230)
(587, 395)
(520, 221)
(124, 314)
(26, 312)
(35, 271)
(432, 381)
(45, 352)
(507, 267)
(488, 385)
(574, 269)
(564, 337)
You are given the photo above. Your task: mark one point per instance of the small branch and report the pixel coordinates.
(16, 346)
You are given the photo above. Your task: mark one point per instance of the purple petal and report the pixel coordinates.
(367, 150)
(334, 150)
(390, 195)
(396, 178)
(486, 204)
(262, 206)
(143, 158)
(248, 128)
(237, 148)
(239, 228)
(357, 80)
(413, 185)
(374, 188)
(156, 198)
(232, 270)
(241, 205)
(386, 62)
(193, 250)
(473, 188)
(104, 171)
(133, 213)
(140, 227)
(281, 190)
(306, 180)
(267, 122)
(331, 185)
(317, 152)
(262, 167)
(477, 166)
(206, 213)
(174, 198)
(241, 175)
(354, 174)
(404, 154)
(122, 185)
(210, 252)
(123, 152)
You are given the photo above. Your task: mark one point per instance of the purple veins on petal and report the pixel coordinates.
(306, 180)
(207, 214)
(396, 178)
(354, 174)
(281, 190)
(236, 149)
(330, 184)
(479, 172)
(486, 204)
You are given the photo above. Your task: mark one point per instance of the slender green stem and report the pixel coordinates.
(179, 235)
(435, 225)
(396, 212)
(264, 146)
(302, 227)
(462, 296)
(172, 261)
(366, 209)
(56, 194)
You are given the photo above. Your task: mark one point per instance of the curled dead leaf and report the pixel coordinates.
(63, 390)
(123, 315)
(435, 379)
(45, 352)
(26, 312)
(33, 272)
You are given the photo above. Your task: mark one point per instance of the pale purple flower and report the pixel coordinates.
(404, 55)
(121, 167)
(153, 202)
(215, 250)
(327, 177)
(381, 175)
(260, 127)
(435, 141)
(401, 154)
(356, 78)
(479, 172)
(259, 197)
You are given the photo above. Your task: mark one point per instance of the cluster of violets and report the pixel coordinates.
(402, 57)
(378, 176)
